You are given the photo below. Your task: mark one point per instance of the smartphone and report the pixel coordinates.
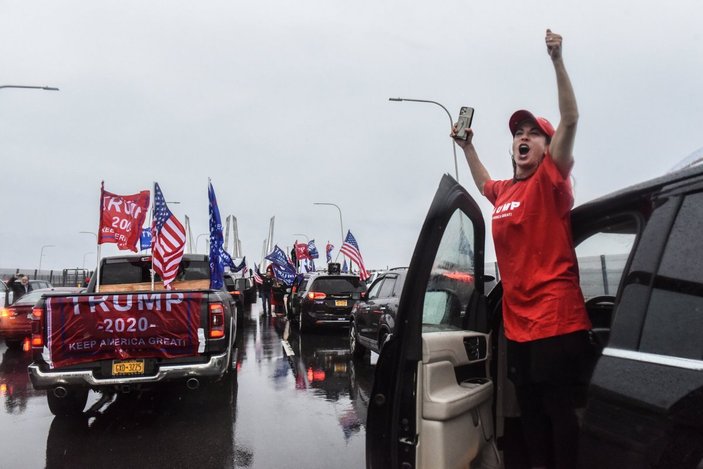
(466, 115)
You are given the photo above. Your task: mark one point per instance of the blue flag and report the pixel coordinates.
(312, 250)
(278, 257)
(242, 265)
(345, 269)
(145, 239)
(219, 258)
(284, 273)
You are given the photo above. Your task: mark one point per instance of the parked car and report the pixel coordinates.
(441, 397)
(16, 319)
(373, 316)
(327, 300)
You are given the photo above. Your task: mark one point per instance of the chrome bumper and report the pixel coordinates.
(215, 367)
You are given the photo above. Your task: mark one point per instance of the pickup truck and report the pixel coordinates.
(124, 334)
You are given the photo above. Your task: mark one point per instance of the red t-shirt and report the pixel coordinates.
(535, 252)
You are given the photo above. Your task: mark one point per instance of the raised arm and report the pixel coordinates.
(562, 145)
(478, 171)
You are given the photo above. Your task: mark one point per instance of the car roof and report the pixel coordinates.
(633, 194)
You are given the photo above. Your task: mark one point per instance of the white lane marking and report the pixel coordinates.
(287, 348)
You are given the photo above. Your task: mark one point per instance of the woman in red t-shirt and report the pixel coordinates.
(544, 317)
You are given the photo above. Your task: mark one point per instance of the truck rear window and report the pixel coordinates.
(333, 285)
(119, 271)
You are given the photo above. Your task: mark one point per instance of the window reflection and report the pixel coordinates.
(452, 281)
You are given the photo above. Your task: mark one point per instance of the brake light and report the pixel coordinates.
(316, 295)
(216, 319)
(237, 292)
(37, 326)
(4, 313)
(37, 340)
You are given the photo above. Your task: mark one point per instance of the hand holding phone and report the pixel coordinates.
(466, 115)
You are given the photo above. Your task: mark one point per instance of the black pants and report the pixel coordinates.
(550, 377)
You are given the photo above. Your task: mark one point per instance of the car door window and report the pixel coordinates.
(386, 290)
(602, 258)
(452, 282)
(375, 289)
(674, 316)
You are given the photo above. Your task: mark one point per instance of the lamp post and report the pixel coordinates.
(90, 233)
(41, 254)
(307, 240)
(45, 88)
(85, 254)
(451, 123)
(341, 225)
(197, 238)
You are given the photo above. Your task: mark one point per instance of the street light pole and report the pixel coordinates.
(451, 123)
(41, 254)
(341, 225)
(85, 254)
(45, 88)
(307, 240)
(197, 238)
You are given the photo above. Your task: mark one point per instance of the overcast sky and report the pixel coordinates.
(285, 103)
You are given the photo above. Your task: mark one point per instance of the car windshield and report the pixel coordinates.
(332, 285)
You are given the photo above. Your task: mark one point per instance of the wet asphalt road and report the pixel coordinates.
(296, 402)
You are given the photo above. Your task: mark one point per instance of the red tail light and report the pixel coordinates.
(4, 313)
(216, 318)
(37, 327)
(316, 295)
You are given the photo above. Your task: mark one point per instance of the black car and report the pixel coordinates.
(441, 397)
(373, 317)
(327, 300)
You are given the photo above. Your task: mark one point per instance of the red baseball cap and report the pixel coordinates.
(523, 115)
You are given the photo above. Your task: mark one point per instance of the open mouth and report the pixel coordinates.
(523, 149)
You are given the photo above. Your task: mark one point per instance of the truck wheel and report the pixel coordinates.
(355, 348)
(70, 405)
(13, 344)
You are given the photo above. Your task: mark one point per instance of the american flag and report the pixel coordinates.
(257, 275)
(350, 248)
(169, 239)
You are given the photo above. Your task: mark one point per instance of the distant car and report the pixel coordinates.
(327, 300)
(243, 290)
(15, 320)
(373, 317)
(40, 284)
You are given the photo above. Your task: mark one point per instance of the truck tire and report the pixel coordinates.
(69, 406)
(13, 344)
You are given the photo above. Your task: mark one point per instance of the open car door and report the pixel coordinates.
(431, 405)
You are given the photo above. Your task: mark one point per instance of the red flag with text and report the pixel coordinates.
(121, 218)
(88, 328)
(301, 251)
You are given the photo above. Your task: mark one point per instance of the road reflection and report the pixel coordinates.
(15, 387)
(296, 401)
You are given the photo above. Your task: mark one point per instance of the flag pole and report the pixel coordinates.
(99, 246)
(151, 217)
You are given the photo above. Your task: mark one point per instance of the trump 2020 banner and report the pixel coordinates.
(140, 325)
(121, 218)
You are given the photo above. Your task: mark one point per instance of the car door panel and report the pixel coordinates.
(421, 414)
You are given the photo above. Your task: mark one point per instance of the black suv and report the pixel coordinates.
(326, 300)
(640, 256)
(373, 317)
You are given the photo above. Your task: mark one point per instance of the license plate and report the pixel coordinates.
(127, 367)
(340, 302)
